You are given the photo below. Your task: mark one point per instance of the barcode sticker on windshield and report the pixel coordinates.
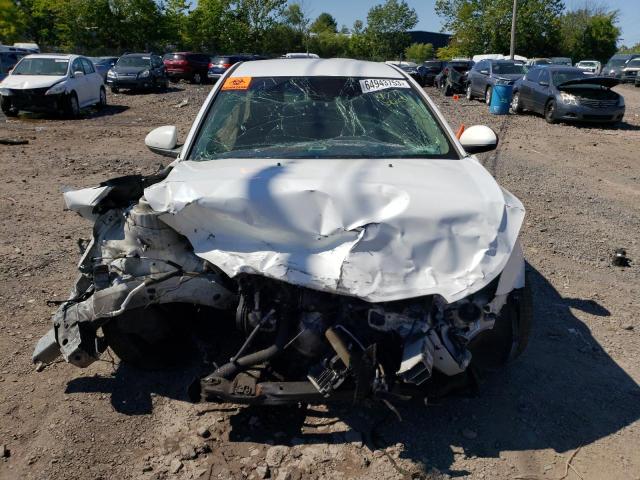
(374, 84)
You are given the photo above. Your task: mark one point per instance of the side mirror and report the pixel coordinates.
(478, 139)
(163, 141)
(78, 74)
(484, 72)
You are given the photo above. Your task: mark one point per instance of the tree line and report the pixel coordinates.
(272, 27)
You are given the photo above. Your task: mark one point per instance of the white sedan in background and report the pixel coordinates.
(590, 66)
(52, 83)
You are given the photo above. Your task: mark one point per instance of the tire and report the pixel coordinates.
(115, 90)
(5, 105)
(550, 112)
(487, 95)
(469, 95)
(174, 79)
(197, 78)
(72, 108)
(152, 338)
(509, 337)
(448, 91)
(102, 103)
(516, 105)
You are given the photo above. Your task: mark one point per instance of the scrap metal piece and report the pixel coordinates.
(620, 258)
(47, 349)
(417, 360)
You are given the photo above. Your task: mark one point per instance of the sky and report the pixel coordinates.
(347, 11)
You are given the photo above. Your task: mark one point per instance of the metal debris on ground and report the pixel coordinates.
(183, 103)
(13, 141)
(620, 258)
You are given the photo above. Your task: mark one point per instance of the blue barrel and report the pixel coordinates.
(500, 99)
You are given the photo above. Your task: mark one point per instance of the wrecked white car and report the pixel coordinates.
(364, 251)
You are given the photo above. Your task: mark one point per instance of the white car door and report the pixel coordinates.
(78, 82)
(93, 80)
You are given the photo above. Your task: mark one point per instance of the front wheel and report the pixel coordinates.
(7, 109)
(197, 78)
(151, 338)
(73, 106)
(550, 112)
(516, 106)
(487, 95)
(102, 103)
(492, 349)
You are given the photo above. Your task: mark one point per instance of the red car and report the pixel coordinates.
(187, 66)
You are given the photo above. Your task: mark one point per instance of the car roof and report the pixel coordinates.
(139, 54)
(314, 67)
(52, 55)
(559, 68)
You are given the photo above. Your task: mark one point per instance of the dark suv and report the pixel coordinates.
(486, 73)
(430, 69)
(137, 71)
(7, 61)
(220, 64)
(186, 66)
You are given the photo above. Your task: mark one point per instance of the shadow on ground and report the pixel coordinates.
(564, 392)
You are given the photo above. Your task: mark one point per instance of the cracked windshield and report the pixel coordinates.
(319, 117)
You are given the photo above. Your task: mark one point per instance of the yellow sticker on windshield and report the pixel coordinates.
(237, 83)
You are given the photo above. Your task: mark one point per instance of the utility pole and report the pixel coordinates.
(512, 50)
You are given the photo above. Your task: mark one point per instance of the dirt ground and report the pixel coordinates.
(567, 409)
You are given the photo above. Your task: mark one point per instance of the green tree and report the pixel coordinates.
(175, 22)
(632, 49)
(589, 34)
(484, 26)
(419, 52)
(387, 25)
(256, 18)
(11, 22)
(324, 23)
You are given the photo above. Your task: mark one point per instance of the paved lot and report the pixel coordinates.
(574, 394)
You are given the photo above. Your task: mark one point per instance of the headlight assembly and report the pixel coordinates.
(57, 89)
(568, 99)
(5, 91)
(112, 74)
(144, 74)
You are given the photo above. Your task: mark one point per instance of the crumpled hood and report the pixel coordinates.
(24, 82)
(380, 230)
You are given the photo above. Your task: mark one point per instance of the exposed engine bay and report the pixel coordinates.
(300, 344)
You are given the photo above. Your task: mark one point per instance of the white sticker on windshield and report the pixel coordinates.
(61, 61)
(374, 84)
(146, 58)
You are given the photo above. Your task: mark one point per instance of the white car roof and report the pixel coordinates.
(66, 56)
(312, 67)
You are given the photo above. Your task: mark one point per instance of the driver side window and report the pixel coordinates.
(76, 66)
(533, 75)
(544, 76)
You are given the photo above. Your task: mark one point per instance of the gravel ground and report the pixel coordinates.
(569, 408)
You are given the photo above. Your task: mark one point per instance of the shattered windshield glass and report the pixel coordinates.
(319, 117)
